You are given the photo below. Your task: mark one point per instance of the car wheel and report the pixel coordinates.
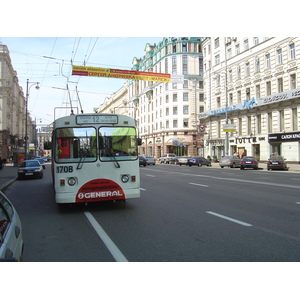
(222, 167)
(200, 165)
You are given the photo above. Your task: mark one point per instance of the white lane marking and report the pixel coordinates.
(297, 202)
(150, 175)
(229, 219)
(198, 184)
(113, 249)
(142, 189)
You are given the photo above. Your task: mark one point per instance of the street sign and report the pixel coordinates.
(229, 128)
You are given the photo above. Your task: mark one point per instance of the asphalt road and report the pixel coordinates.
(193, 214)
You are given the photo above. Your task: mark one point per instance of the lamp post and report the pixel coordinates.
(26, 113)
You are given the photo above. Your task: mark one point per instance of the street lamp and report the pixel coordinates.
(26, 113)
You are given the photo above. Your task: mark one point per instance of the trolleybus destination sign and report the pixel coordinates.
(123, 74)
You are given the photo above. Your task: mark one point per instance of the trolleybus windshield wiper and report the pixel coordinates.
(117, 165)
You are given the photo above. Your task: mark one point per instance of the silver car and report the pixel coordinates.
(230, 161)
(11, 239)
(182, 160)
(150, 160)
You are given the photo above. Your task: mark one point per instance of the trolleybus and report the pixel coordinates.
(95, 158)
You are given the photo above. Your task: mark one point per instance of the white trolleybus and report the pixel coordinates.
(95, 158)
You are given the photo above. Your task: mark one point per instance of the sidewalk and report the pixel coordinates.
(7, 175)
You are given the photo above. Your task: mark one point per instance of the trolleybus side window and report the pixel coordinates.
(76, 144)
(117, 142)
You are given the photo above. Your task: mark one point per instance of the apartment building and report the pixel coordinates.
(252, 97)
(166, 113)
(12, 111)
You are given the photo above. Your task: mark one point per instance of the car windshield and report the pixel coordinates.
(30, 163)
(249, 158)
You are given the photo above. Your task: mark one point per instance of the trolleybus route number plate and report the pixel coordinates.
(64, 169)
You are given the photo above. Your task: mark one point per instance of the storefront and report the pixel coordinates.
(286, 144)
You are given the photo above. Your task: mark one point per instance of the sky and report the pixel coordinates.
(48, 60)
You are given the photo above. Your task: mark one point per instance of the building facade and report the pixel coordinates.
(252, 97)
(166, 113)
(12, 111)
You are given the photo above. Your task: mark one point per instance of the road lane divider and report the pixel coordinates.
(203, 185)
(110, 245)
(229, 219)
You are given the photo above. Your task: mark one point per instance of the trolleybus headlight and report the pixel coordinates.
(125, 178)
(72, 181)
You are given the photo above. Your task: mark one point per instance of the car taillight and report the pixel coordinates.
(229, 160)
(255, 162)
(242, 162)
(281, 162)
(269, 162)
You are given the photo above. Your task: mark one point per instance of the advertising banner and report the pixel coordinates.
(122, 74)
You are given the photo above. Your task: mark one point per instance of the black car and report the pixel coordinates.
(142, 161)
(277, 162)
(249, 162)
(198, 161)
(30, 169)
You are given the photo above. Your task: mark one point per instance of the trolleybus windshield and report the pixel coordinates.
(79, 144)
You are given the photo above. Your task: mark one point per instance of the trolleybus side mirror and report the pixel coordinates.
(139, 141)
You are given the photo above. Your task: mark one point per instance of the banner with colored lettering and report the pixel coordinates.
(123, 74)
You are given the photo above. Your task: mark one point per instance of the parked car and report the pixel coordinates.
(142, 161)
(173, 160)
(276, 162)
(182, 160)
(30, 168)
(198, 161)
(11, 238)
(165, 159)
(150, 160)
(230, 161)
(41, 161)
(249, 162)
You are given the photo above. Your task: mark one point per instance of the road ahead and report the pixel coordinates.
(184, 214)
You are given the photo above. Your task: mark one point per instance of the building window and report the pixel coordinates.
(201, 97)
(248, 93)
(167, 98)
(270, 124)
(174, 85)
(167, 124)
(237, 49)
(201, 109)
(281, 120)
(238, 73)
(218, 80)
(255, 40)
(280, 85)
(268, 61)
(292, 51)
(258, 122)
(229, 53)
(175, 110)
(184, 64)
(167, 86)
(257, 65)
(175, 123)
(174, 48)
(230, 75)
(246, 44)
(279, 56)
(185, 123)
(185, 84)
(239, 96)
(200, 65)
(166, 66)
(184, 47)
(247, 69)
(217, 59)
(174, 65)
(217, 43)
(257, 91)
(174, 97)
(185, 96)
(295, 118)
(293, 81)
(218, 102)
(268, 88)
(167, 111)
(185, 109)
